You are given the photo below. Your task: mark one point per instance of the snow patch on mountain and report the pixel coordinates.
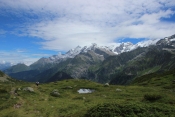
(147, 42)
(116, 48)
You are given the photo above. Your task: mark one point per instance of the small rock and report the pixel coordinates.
(19, 89)
(104, 96)
(12, 92)
(55, 93)
(55, 90)
(118, 90)
(16, 106)
(106, 85)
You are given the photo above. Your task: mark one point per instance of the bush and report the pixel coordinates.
(152, 97)
(130, 110)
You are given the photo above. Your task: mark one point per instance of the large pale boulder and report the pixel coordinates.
(30, 89)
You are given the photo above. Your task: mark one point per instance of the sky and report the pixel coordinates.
(31, 29)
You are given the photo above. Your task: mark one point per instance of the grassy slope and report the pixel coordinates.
(163, 80)
(41, 104)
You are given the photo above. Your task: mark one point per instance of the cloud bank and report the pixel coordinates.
(64, 24)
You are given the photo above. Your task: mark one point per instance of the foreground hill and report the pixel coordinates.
(4, 77)
(61, 98)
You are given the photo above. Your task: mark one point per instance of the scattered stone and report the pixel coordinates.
(14, 92)
(118, 90)
(30, 89)
(55, 93)
(19, 89)
(104, 96)
(68, 87)
(84, 98)
(55, 90)
(16, 106)
(106, 85)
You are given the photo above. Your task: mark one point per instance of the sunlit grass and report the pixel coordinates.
(71, 103)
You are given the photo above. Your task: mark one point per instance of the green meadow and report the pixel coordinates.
(150, 97)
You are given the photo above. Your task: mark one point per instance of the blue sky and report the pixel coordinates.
(31, 29)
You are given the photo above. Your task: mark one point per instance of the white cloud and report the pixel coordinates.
(17, 57)
(78, 22)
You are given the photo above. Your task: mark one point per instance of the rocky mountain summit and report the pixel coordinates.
(101, 50)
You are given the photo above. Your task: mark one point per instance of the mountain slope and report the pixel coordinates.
(4, 77)
(76, 67)
(17, 68)
(117, 65)
(156, 58)
(163, 79)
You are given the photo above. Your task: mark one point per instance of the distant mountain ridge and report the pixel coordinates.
(55, 59)
(5, 65)
(120, 48)
(103, 64)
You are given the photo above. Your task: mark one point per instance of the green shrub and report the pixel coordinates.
(152, 97)
(12, 114)
(130, 110)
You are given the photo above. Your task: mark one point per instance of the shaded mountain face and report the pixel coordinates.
(116, 65)
(17, 68)
(153, 59)
(59, 76)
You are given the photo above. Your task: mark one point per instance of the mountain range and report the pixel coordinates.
(118, 64)
(5, 65)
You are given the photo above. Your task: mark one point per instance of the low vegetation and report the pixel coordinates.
(154, 97)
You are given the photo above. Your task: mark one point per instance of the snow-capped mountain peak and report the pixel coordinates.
(147, 42)
(124, 47)
(115, 49)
